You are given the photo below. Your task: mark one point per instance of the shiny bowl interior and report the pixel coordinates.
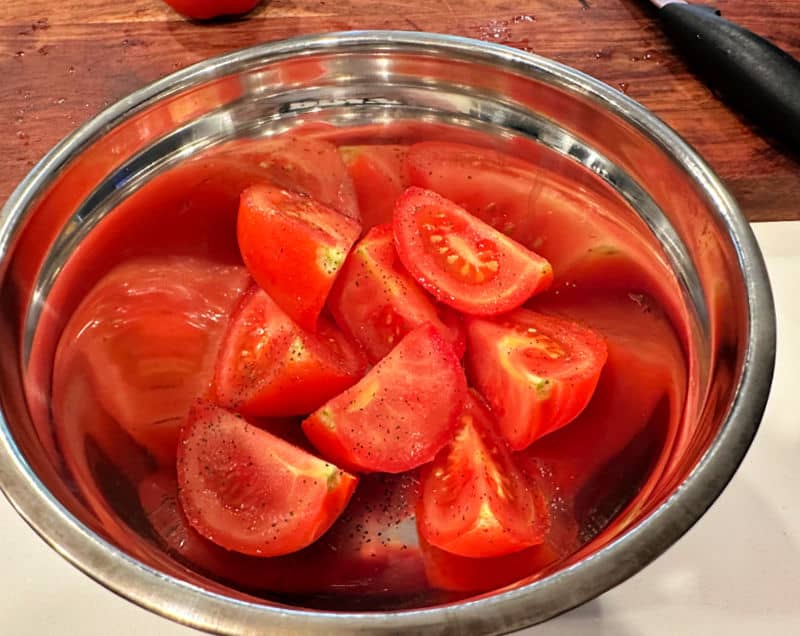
(364, 82)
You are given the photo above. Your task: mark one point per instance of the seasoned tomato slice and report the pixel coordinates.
(308, 166)
(378, 174)
(293, 247)
(400, 414)
(461, 260)
(538, 372)
(269, 366)
(147, 335)
(376, 302)
(252, 492)
(475, 500)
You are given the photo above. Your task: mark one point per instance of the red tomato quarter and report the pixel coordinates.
(208, 9)
(378, 175)
(461, 260)
(400, 414)
(269, 366)
(475, 501)
(538, 372)
(305, 165)
(251, 492)
(148, 334)
(376, 302)
(293, 247)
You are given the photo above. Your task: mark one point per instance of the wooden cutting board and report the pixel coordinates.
(61, 61)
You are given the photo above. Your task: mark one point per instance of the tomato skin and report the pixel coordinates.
(304, 165)
(286, 370)
(376, 302)
(453, 573)
(289, 243)
(242, 488)
(537, 372)
(475, 501)
(378, 174)
(209, 9)
(400, 414)
(351, 558)
(461, 260)
(147, 336)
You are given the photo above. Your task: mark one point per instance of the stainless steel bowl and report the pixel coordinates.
(351, 80)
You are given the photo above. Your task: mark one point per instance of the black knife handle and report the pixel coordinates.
(749, 71)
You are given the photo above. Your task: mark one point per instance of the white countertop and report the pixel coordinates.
(737, 572)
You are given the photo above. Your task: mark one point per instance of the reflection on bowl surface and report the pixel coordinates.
(122, 266)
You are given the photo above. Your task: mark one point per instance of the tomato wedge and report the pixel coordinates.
(537, 372)
(461, 260)
(269, 366)
(378, 174)
(475, 501)
(252, 492)
(447, 571)
(376, 302)
(148, 335)
(400, 414)
(293, 246)
(305, 165)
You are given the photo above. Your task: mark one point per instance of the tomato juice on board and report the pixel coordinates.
(531, 266)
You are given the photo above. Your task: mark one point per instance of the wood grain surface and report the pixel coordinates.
(63, 61)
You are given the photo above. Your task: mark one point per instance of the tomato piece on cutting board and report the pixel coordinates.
(400, 414)
(537, 372)
(464, 262)
(378, 174)
(148, 334)
(209, 9)
(269, 366)
(293, 246)
(475, 501)
(250, 491)
(376, 302)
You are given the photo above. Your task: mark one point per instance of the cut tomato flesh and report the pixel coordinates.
(461, 260)
(538, 372)
(269, 366)
(249, 491)
(376, 302)
(400, 414)
(293, 247)
(378, 174)
(148, 334)
(475, 500)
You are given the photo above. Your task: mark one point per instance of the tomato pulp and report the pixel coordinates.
(346, 376)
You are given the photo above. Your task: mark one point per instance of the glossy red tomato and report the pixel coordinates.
(376, 302)
(148, 334)
(475, 500)
(252, 492)
(461, 260)
(305, 165)
(447, 571)
(269, 366)
(379, 178)
(208, 9)
(400, 414)
(362, 554)
(537, 372)
(294, 248)
(496, 187)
